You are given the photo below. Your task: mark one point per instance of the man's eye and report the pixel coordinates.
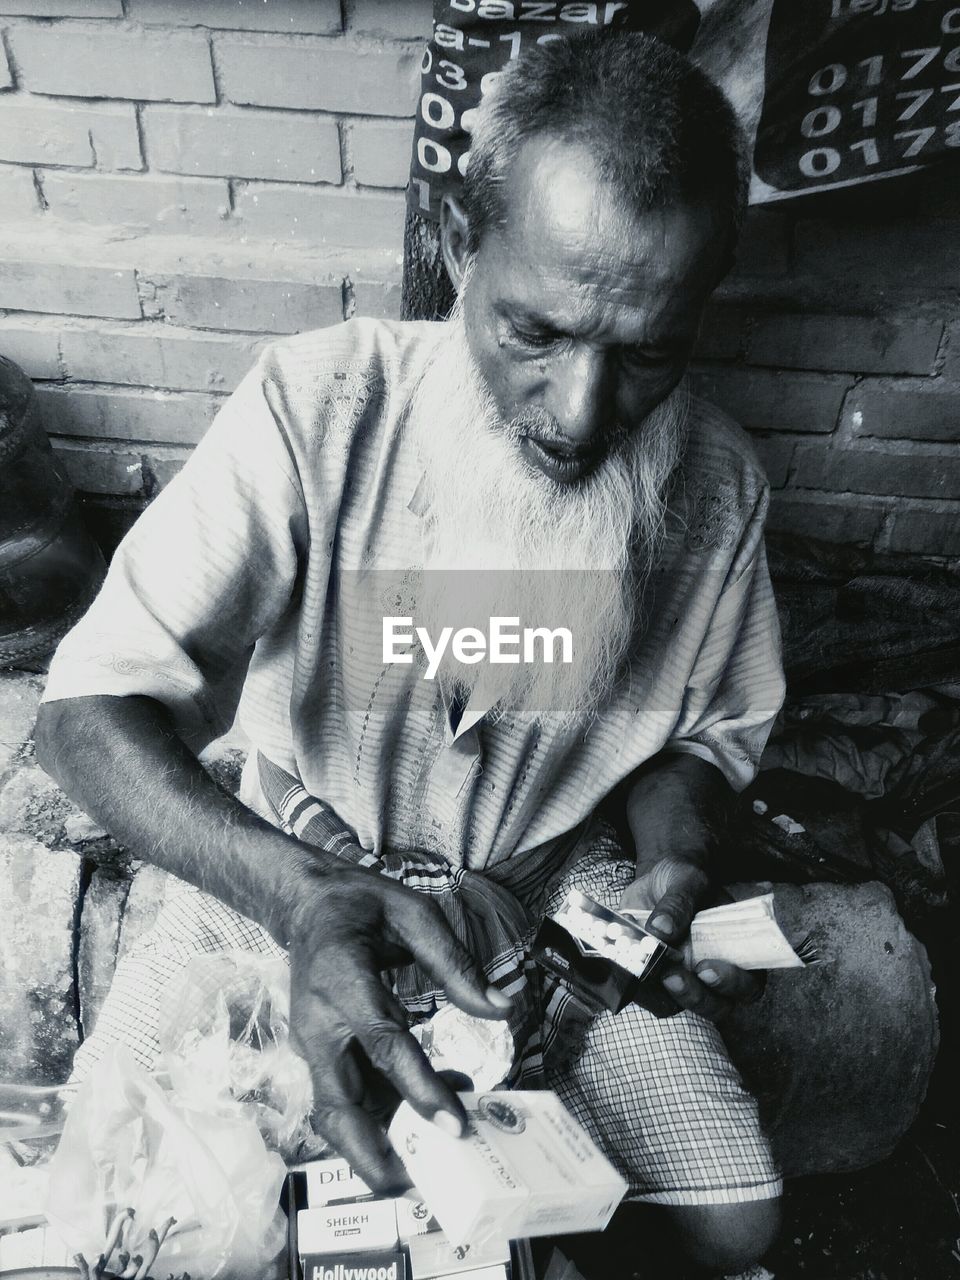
(538, 341)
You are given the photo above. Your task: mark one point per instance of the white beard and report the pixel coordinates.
(507, 541)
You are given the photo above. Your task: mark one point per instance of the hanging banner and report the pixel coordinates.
(830, 92)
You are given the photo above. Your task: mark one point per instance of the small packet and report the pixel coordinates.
(475, 1047)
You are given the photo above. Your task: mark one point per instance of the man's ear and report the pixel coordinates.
(454, 238)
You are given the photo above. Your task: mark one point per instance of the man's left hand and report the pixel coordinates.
(673, 889)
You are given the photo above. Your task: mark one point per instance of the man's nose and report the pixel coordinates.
(579, 395)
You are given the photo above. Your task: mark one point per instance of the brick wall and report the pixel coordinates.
(182, 179)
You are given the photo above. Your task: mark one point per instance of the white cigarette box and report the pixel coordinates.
(413, 1217)
(524, 1168)
(365, 1227)
(330, 1180)
(434, 1255)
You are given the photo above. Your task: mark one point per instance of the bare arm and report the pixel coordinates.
(120, 759)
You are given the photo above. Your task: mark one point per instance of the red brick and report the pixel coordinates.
(257, 305)
(33, 345)
(906, 473)
(904, 411)
(36, 132)
(767, 401)
(62, 8)
(319, 75)
(858, 344)
(156, 355)
(68, 288)
(316, 17)
(381, 152)
(907, 257)
(105, 63)
(243, 143)
(925, 531)
(776, 455)
(381, 301)
(18, 194)
(826, 517)
(400, 19)
(329, 216)
(177, 417)
(174, 206)
(97, 469)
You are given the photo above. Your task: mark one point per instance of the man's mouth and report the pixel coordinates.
(565, 466)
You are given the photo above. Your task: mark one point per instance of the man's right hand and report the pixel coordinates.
(348, 926)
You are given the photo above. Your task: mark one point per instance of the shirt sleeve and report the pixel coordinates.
(737, 685)
(208, 569)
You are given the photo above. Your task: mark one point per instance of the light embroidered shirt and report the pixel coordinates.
(258, 578)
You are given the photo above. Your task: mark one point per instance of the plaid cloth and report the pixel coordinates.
(660, 1096)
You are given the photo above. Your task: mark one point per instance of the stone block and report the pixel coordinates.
(776, 455)
(38, 903)
(922, 530)
(62, 8)
(902, 256)
(165, 416)
(903, 411)
(832, 519)
(381, 152)
(156, 355)
(144, 900)
(856, 344)
(68, 288)
(317, 75)
(6, 71)
(100, 923)
(36, 132)
(81, 62)
(372, 299)
(393, 19)
(840, 1053)
(317, 17)
(19, 699)
(762, 400)
(330, 217)
(899, 473)
(243, 144)
(257, 305)
(95, 469)
(143, 203)
(18, 194)
(34, 346)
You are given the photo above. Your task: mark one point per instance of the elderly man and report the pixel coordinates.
(536, 456)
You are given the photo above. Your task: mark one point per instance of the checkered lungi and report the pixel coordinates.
(659, 1095)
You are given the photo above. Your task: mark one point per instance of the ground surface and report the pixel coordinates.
(897, 1221)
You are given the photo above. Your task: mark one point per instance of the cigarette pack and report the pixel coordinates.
(524, 1167)
(434, 1255)
(367, 1226)
(331, 1180)
(414, 1218)
(384, 1265)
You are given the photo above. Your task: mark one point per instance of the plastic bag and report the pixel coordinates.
(224, 1032)
(129, 1141)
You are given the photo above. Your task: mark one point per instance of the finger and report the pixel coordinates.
(670, 918)
(730, 981)
(356, 1136)
(431, 941)
(693, 995)
(380, 1025)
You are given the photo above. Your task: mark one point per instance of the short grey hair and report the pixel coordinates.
(660, 130)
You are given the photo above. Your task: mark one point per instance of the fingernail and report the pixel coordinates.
(675, 984)
(663, 924)
(709, 976)
(448, 1123)
(496, 996)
